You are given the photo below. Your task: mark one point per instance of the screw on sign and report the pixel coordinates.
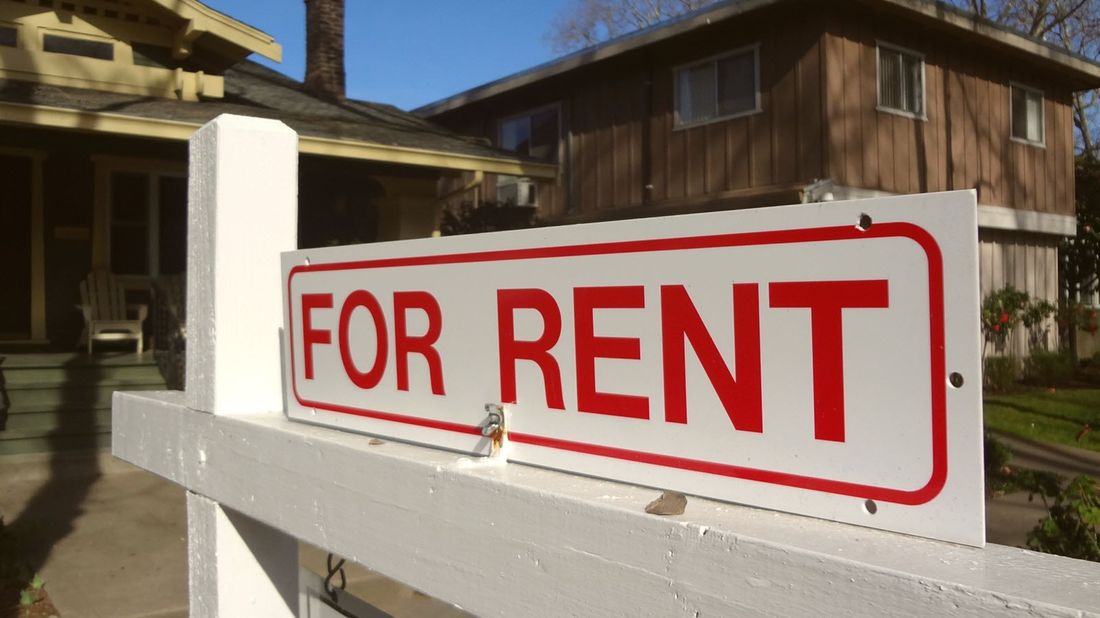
(796, 358)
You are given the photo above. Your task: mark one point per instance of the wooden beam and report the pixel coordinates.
(514, 540)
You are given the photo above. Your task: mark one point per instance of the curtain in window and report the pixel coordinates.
(889, 79)
(1034, 117)
(901, 81)
(912, 95)
(1027, 115)
(697, 93)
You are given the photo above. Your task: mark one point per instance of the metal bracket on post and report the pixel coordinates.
(333, 570)
(495, 428)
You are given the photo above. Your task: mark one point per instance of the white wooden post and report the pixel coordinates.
(243, 196)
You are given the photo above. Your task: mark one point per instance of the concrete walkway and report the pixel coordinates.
(110, 539)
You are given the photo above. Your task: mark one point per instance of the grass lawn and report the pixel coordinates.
(1046, 416)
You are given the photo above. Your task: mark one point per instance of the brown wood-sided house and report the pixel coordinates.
(763, 102)
(97, 101)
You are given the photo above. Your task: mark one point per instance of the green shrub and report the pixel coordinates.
(1048, 368)
(1000, 373)
(485, 217)
(1002, 311)
(1071, 528)
(1073, 519)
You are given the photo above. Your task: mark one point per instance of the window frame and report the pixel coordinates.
(556, 106)
(1042, 143)
(879, 106)
(43, 32)
(678, 124)
(19, 36)
(153, 171)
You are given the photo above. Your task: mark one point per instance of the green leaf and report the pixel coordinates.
(37, 582)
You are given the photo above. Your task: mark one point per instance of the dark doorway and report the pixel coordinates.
(15, 246)
(172, 201)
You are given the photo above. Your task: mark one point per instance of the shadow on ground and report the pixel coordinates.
(49, 515)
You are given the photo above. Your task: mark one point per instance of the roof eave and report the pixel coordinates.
(174, 130)
(1086, 73)
(206, 19)
(593, 54)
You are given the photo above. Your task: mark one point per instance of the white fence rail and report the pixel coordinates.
(496, 539)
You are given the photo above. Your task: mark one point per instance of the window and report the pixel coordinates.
(534, 134)
(1027, 114)
(153, 56)
(148, 223)
(9, 36)
(900, 81)
(78, 47)
(717, 88)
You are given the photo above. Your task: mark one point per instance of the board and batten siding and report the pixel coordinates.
(620, 148)
(778, 147)
(1027, 262)
(966, 140)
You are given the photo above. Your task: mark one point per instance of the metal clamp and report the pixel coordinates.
(495, 421)
(494, 428)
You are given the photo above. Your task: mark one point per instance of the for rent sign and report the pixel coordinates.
(819, 359)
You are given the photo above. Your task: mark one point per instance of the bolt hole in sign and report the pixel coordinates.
(819, 359)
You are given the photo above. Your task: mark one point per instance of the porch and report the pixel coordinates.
(75, 202)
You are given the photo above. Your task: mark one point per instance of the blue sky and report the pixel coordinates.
(412, 52)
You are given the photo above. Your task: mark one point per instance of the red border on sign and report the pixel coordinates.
(825, 234)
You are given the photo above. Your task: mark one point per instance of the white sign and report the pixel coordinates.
(819, 359)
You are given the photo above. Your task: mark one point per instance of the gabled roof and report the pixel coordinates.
(205, 21)
(351, 129)
(1084, 71)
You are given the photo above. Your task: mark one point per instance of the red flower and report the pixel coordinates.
(1004, 318)
(997, 327)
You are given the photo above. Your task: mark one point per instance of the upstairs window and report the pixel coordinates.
(534, 134)
(1027, 114)
(900, 81)
(722, 87)
(9, 36)
(146, 55)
